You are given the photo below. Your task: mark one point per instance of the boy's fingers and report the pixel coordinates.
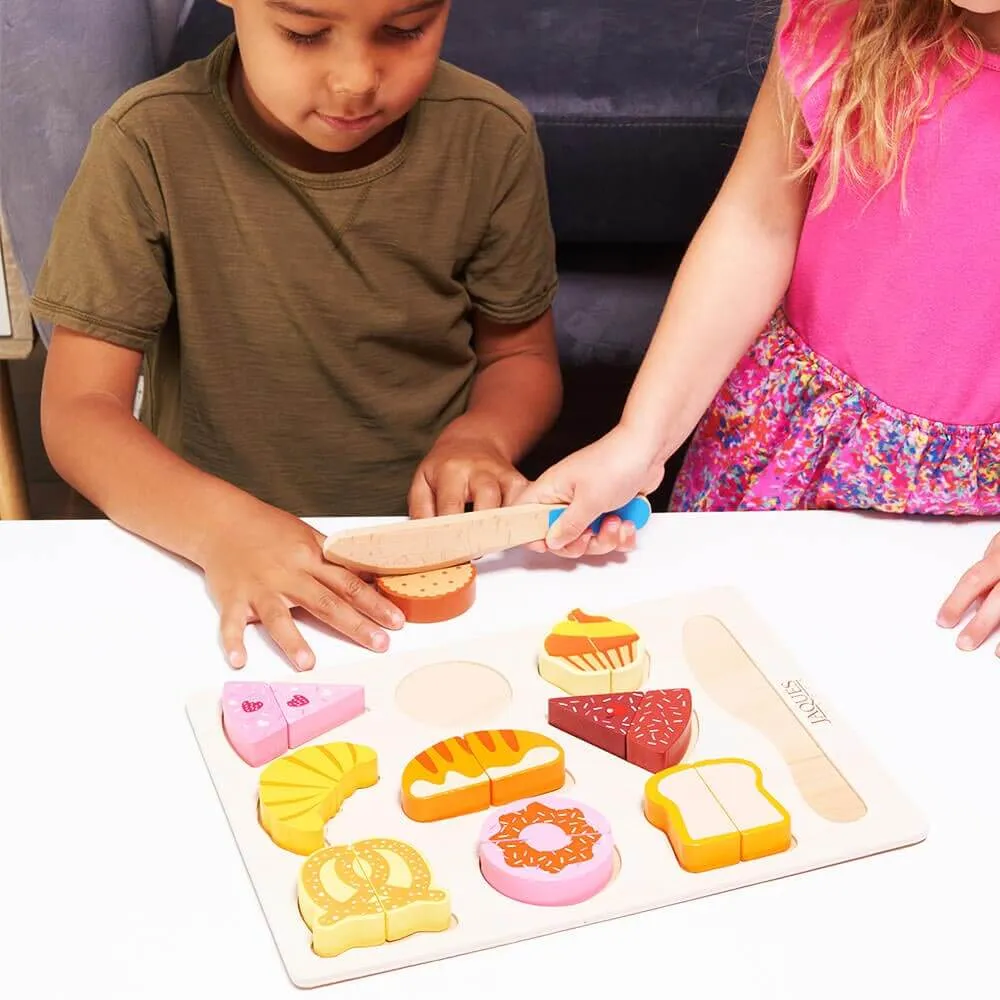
(485, 492)
(362, 596)
(232, 625)
(421, 498)
(277, 619)
(336, 612)
(451, 491)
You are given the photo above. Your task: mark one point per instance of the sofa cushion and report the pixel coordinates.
(640, 103)
(609, 301)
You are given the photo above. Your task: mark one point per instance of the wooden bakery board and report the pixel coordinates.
(648, 876)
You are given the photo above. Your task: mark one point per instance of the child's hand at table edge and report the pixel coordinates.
(599, 478)
(981, 582)
(267, 562)
(462, 469)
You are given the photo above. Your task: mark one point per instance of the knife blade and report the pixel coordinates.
(430, 543)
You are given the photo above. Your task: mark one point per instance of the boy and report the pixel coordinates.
(330, 255)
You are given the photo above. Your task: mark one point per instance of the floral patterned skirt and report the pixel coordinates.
(790, 431)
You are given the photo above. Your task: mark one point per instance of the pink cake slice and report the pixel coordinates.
(253, 721)
(313, 709)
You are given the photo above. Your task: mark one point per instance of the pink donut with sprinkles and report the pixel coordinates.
(549, 851)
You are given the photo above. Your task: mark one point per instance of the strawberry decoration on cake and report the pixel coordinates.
(262, 721)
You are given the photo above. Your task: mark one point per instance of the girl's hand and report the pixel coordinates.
(599, 478)
(980, 583)
(263, 563)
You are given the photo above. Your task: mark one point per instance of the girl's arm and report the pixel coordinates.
(732, 278)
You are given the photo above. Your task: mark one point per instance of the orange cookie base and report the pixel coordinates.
(435, 596)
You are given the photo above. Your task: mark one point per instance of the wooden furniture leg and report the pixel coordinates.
(13, 492)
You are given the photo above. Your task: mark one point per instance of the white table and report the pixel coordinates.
(102, 638)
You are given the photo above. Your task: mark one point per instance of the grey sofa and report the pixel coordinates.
(640, 106)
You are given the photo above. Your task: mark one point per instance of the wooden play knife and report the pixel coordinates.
(430, 543)
(736, 684)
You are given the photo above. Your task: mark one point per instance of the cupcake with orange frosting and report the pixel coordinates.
(592, 654)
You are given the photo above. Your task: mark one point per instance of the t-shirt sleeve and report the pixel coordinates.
(512, 275)
(106, 270)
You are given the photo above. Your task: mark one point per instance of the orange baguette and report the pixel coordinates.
(465, 774)
(434, 596)
(443, 781)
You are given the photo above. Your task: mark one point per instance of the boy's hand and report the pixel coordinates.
(265, 562)
(979, 583)
(460, 470)
(592, 481)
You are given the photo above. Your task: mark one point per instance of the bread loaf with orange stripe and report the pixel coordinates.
(444, 780)
(466, 774)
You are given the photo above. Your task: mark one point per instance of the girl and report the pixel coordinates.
(840, 301)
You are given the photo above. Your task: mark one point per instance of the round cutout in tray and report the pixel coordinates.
(449, 694)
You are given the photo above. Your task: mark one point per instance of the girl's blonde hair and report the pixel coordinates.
(894, 54)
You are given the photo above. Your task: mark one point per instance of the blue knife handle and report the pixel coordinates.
(636, 510)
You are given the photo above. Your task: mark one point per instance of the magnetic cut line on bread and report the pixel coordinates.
(435, 596)
(651, 729)
(368, 893)
(466, 774)
(717, 813)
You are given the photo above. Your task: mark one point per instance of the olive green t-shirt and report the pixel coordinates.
(306, 336)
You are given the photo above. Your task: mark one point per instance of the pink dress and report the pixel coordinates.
(877, 383)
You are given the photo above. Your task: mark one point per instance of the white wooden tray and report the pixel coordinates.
(500, 688)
